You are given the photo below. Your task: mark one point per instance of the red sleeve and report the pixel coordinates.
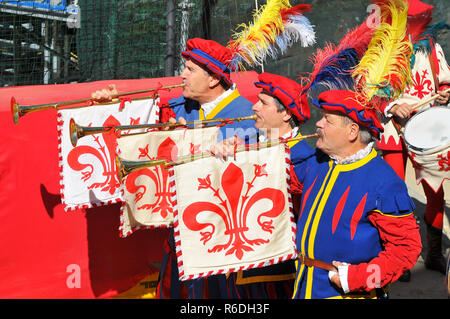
(402, 246)
(165, 113)
(382, 106)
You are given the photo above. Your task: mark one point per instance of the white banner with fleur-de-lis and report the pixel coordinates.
(88, 170)
(233, 215)
(148, 200)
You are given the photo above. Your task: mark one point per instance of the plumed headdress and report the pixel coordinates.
(381, 74)
(275, 27)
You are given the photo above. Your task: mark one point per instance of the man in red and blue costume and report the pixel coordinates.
(356, 232)
(208, 93)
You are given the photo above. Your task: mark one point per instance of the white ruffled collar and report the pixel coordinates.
(208, 107)
(355, 157)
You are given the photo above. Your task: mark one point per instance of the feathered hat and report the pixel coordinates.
(276, 26)
(211, 55)
(381, 74)
(333, 64)
(288, 92)
(384, 71)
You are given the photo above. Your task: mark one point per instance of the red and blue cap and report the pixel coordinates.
(346, 103)
(288, 92)
(211, 55)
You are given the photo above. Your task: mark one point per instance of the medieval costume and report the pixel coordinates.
(357, 211)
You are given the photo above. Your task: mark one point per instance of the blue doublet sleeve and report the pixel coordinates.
(186, 108)
(392, 193)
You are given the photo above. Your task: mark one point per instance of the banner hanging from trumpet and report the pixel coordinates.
(88, 170)
(233, 215)
(148, 200)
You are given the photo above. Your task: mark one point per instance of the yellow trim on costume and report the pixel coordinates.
(389, 215)
(300, 273)
(145, 289)
(371, 295)
(265, 278)
(201, 115)
(292, 143)
(219, 107)
(324, 194)
(358, 164)
(308, 221)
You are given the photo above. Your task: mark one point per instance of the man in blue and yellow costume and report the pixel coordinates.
(208, 93)
(356, 232)
(281, 110)
(208, 90)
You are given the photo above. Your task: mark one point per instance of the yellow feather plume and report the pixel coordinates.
(384, 70)
(276, 23)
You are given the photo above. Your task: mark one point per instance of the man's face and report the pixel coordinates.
(196, 81)
(333, 134)
(267, 113)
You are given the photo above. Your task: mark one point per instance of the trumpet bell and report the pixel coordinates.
(15, 110)
(73, 132)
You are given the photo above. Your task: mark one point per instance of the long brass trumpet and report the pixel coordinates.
(77, 131)
(18, 110)
(124, 167)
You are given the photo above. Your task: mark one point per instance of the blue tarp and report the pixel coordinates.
(62, 6)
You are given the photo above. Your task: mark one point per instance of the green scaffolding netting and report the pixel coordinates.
(108, 39)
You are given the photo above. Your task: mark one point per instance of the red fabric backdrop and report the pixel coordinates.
(41, 243)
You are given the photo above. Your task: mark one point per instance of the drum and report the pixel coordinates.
(428, 130)
(427, 137)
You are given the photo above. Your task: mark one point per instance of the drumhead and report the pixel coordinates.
(428, 129)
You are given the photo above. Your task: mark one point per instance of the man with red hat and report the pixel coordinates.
(356, 232)
(208, 93)
(431, 76)
(280, 110)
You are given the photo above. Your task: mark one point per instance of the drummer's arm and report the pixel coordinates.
(398, 108)
(402, 110)
(444, 96)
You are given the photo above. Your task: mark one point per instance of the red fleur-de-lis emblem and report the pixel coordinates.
(444, 162)
(104, 153)
(421, 85)
(162, 203)
(234, 206)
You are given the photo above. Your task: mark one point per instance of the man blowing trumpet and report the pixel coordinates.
(356, 232)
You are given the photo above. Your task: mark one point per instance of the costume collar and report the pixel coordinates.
(355, 157)
(208, 107)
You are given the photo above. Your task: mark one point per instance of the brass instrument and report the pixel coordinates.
(18, 110)
(77, 131)
(126, 167)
